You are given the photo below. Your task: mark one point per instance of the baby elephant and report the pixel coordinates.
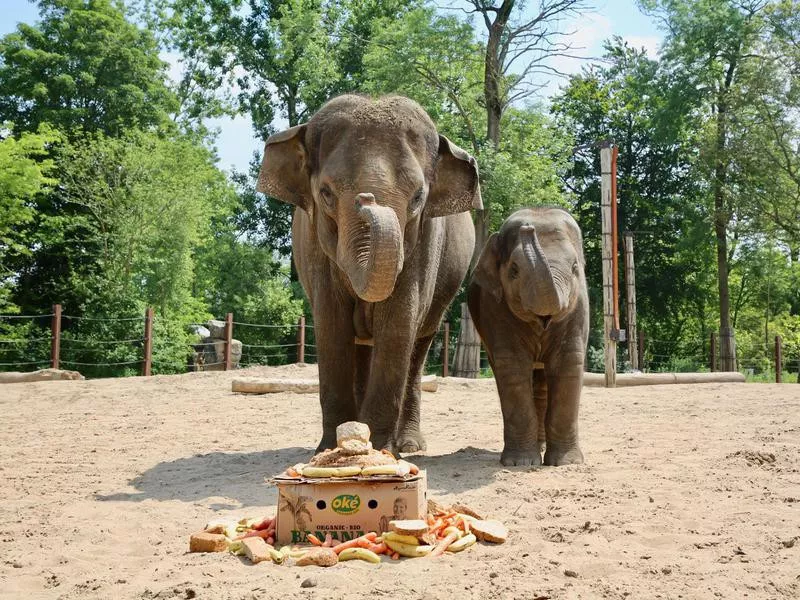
(529, 302)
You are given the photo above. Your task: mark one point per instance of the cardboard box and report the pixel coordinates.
(346, 507)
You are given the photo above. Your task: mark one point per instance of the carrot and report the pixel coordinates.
(328, 541)
(442, 546)
(265, 524)
(292, 473)
(315, 541)
(378, 548)
(431, 519)
(364, 543)
(271, 541)
(355, 542)
(396, 556)
(414, 469)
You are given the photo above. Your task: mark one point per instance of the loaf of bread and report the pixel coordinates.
(256, 549)
(204, 541)
(352, 430)
(413, 527)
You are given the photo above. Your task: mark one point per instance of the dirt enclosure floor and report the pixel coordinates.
(688, 492)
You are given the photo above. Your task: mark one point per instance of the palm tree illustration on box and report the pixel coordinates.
(296, 506)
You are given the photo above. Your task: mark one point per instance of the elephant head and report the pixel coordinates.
(369, 173)
(535, 262)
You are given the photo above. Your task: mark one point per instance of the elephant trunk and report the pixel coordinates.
(540, 292)
(370, 249)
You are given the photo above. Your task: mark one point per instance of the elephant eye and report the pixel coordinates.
(513, 271)
(575, 267)
(416, 200)
(327, 196)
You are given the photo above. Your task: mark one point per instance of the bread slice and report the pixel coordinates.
(204, 541)
(415, 527)
(489, 531)
(321, 557)
(465, 510)
(256, 549)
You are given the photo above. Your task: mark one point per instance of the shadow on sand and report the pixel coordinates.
(240, 477)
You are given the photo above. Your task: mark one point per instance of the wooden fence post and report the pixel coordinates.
(228, 340)
(712, 360)
(446, 350)
(608, 252)
(55, 333)
(778, 359)
(147, 363)
(301, 339)
(641, 349)
(630, 304)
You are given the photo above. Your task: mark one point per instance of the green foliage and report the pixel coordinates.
(23, 174)
(82, 67)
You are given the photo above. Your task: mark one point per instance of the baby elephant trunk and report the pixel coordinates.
(540, 292)
(370, 249)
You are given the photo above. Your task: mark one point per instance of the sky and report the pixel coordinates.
(236, 141)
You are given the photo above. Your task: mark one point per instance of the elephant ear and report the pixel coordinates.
(456, 187)
(284, 169)
(487, 271)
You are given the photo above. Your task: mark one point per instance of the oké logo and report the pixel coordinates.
(346, 504)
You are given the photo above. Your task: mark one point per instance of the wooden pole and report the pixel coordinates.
(301, 340)
(641, 349)
(55, 333)
(609, 343)
(630, 287)
(228, 340)
(778, 359)
(713, 352)
(148, 342)
(446, 350)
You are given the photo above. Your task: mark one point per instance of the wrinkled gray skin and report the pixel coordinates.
(382, 239)
(529, 301)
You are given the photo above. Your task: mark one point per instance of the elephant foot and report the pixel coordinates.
(515, 457)
(410, 442)
(558, 455)
(326, 443)
(382, 441)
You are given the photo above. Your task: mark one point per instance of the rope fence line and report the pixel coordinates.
(657, 354)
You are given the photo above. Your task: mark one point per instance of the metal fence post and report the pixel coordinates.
(228, 340)
(778, 359)
(148, 342)
(446, 350)
(301, 340)
(55, 332)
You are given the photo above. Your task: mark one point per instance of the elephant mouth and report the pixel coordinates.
(545, 320)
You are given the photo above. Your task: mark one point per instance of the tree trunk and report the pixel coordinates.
(493, 95)
(466, 362)
(722, 218)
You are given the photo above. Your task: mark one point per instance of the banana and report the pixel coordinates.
(408, 550)
(380, 470)
(398, 537)
(461, 544)
(359, 554)
(331, 471)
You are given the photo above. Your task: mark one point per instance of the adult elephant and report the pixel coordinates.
(382, 239)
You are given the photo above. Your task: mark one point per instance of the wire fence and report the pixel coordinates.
(132, 345)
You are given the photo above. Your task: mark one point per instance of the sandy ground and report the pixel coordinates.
(688, 492)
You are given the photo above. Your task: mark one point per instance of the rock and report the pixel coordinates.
(309, 582)
(216, 329)
(570, 573)
(200, 331)
(209, 355)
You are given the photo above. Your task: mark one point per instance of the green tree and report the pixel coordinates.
(627, 99)
(24, 169)
(83, 67)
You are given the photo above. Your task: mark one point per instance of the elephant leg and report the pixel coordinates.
(564, 382)
(336, 361)
(540, 401)
(520, 428)
(386, 389)
(362, 369)
(409, 437)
